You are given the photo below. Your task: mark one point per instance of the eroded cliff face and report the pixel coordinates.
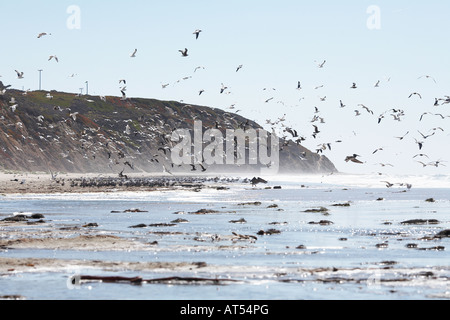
(42, 132)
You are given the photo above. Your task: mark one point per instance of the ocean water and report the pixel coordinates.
(364, 254)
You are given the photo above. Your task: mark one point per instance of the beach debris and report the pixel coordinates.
(420, 221)
(157, 225)
(322, 222)
(204, 211)
(90, 225)
(346, 204)
(134, 210)
(80, 279)
(443, 234)
(256, 203)
(238, 236)
(141, 225)
(317, 210)
(268, 232)
(242, 220)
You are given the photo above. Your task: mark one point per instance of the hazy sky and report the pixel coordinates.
(278, 43)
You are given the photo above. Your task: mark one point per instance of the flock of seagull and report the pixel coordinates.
(396, 114)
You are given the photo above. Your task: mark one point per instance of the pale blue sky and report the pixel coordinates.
(277, 42)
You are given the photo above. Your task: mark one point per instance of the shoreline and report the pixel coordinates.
(86, 183)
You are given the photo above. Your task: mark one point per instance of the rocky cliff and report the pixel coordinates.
(56, 131)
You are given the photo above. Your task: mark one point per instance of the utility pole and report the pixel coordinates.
(81, 91)
(40, 79)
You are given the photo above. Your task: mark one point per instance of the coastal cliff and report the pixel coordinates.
(56, 131)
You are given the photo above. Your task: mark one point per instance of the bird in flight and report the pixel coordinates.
(428, 77)
(353, 86)
(40, 35)
(133, 55)
(184, 52)
(353, 158)
(299, 85)
(320, 65)
(415, 93)
(239, 68)
(223, 88)
(53, 57)
(19, 74)
(197, 33)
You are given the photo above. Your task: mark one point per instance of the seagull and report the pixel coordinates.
(133, 55)
(239, 68)
(184, 52)
(14, 107)
(379, 149)
(165, 85)
(415, 93)
(388, 184)
(199, 67)
(353, 159)
(403, 137)
(342, 104)
(49, 96)
(223, 88)
(299, 85)
(19, 74)
(124, 96)
(122, 80)
(55, 57)
(320, 65)
(419, 143)
(200, 92)
(74, 116)
(40, 35)
(377, 84)
(420, 155)
(424, 136)
(428, 77)
(127, 130)
(353, 86)
(13, 100)
(197, 33)
(268, 100)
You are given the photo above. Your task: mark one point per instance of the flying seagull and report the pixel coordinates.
(197, 33)
(53, 57)
(239, 68)
(299, 85)
(40, 35)
(353, 159)
(415, 93)
(320, 65)
(133, 55)
(19, 74)
(184, 52)
(223, 88)
(353, 86)
(428, 77)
